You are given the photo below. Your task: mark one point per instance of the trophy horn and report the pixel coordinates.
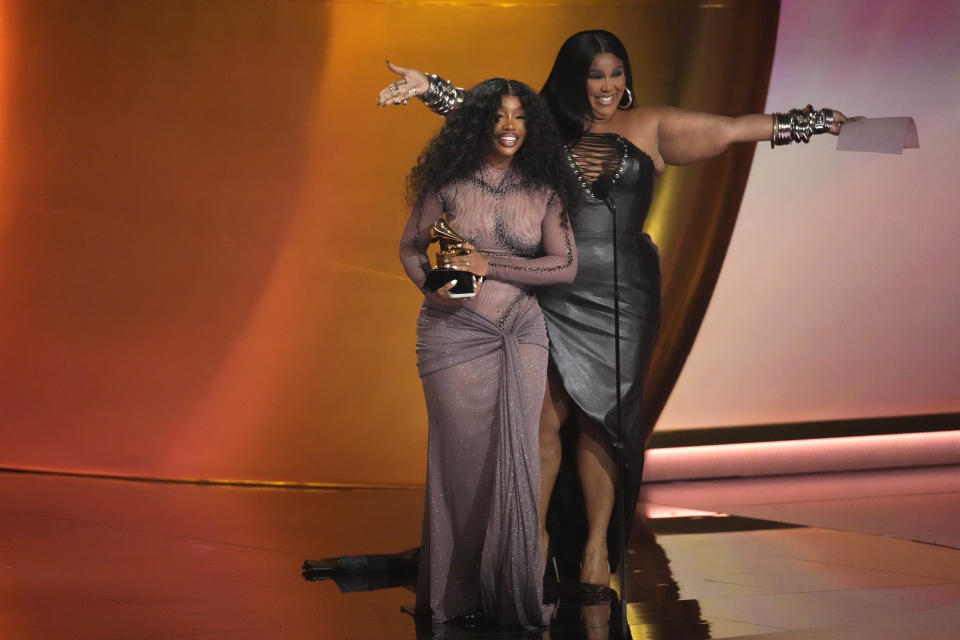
(441, 230)
(449, 239)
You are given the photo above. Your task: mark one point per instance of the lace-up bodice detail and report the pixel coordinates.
(596, 154)
(632, 172)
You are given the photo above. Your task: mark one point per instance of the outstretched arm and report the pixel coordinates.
(688, 136)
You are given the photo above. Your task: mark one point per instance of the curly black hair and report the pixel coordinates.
(466, 140)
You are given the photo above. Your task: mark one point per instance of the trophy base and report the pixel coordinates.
(467, 283)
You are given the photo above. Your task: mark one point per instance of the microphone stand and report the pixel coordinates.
(601, 189)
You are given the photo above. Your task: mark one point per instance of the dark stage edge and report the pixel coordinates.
(96, 558)
(925, 423)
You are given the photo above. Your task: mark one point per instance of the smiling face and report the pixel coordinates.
(509, 132)
(605, 84)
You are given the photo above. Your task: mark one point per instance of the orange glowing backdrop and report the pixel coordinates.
(199, 210)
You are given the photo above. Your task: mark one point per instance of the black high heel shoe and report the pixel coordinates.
(470, 620)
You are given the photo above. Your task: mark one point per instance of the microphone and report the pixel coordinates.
(602, 189)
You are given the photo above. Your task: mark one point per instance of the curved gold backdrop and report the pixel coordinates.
(200, 204)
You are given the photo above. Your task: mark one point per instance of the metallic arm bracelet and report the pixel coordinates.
(799, 124)
(442, 97)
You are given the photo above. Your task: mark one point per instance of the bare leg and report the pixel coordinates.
(598, 477)
(556, 407)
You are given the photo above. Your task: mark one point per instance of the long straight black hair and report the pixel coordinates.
(566, 87)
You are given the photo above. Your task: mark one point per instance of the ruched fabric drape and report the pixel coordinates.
(483, 463)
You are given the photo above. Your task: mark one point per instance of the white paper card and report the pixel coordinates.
(879, 135)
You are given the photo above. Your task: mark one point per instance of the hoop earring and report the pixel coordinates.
(629, 104)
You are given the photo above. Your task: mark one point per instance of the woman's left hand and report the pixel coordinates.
(410, 84)
(839, 119)
(474, 262)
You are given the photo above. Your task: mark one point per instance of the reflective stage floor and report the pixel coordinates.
(834, 556)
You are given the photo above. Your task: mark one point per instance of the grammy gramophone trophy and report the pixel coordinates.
(451, 244)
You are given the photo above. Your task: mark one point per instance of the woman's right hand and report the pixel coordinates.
(411, 83)
(472, 260)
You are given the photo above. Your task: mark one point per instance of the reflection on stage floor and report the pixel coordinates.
(96, 558)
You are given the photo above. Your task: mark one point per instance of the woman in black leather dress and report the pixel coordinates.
(590, 95)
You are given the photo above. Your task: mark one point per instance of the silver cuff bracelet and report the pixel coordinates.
(442, 97)
(799, 124)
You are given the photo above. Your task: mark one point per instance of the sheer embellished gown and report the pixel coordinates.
(482, 362)
(580, 323)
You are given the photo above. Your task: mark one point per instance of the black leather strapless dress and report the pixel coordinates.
(580, 325)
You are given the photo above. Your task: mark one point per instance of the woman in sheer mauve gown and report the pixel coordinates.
(492, 172)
